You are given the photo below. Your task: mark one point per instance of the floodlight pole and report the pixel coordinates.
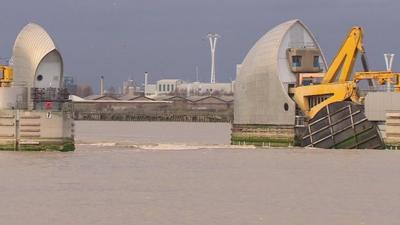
(389, 62)
(213, 37)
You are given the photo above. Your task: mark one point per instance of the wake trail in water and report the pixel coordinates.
(161, 146)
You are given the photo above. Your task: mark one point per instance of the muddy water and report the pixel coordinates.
(177, 173)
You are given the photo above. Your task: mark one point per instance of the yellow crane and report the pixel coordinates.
(337, 84)
(330, 106)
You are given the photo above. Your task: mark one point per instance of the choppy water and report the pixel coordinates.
(179, 173)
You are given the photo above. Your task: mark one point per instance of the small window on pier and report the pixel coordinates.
(296, 61)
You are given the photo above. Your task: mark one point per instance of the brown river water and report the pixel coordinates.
(157, 173)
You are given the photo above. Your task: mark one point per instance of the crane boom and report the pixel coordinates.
(345, 58)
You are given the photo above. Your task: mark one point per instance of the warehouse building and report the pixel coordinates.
(199, 88)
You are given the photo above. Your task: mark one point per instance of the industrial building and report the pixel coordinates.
(167, 86)
(157, 108)
(171, 87)
(201, 89)
(167, 100)
(34, 109)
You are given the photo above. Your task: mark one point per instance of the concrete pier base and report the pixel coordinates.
(23, 130)
(263, 135)
(392, 137)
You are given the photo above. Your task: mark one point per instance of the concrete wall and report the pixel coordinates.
(377, 104)
(384, 109)
(393, 128)
(13, 97)
(36, 128)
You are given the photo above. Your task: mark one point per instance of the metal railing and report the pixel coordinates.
(49, 98)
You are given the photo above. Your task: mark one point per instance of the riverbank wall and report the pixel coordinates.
(208, 109)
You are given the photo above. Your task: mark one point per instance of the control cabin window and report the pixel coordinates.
(296, 60)
(316, 61)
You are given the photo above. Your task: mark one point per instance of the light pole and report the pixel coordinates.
(389, 61)
(213, 37)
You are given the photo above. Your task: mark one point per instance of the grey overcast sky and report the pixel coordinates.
(124, 38)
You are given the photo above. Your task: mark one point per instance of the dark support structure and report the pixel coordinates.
(342, 125)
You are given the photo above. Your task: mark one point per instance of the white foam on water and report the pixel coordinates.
(163, 146)
(190, 147)
(100, 144)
